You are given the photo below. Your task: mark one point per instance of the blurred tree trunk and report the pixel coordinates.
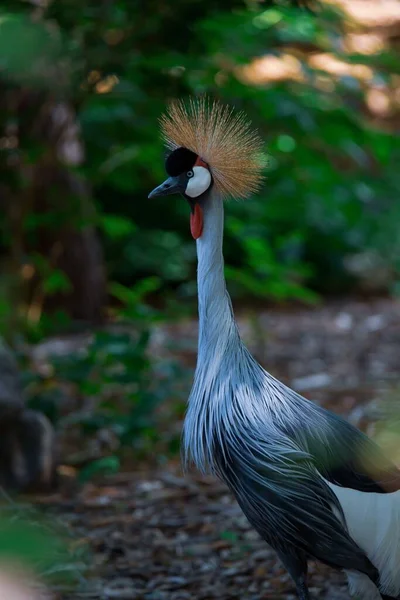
(51, 244)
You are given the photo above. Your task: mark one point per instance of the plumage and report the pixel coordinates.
(311, 484)
(222, 138)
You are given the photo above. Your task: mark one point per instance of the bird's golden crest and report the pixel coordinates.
(223, 138)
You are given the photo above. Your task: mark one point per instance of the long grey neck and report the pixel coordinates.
(220, 352)
(216, 321)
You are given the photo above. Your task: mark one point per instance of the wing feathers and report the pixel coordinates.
(341, 453)
(297, 511)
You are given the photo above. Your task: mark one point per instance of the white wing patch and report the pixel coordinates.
(199, 183)
(373, 521)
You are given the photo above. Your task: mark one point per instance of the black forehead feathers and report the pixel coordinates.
(179, 161)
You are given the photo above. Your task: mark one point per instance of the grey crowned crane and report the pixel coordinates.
(311, 484)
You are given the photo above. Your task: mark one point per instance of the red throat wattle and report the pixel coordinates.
(196, 222)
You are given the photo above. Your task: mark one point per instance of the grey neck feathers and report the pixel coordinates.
(219, 342)
(216, 321)
(232, 395)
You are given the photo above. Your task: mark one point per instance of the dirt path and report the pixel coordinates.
(158, 536)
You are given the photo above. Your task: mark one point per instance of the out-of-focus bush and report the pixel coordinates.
(110, 395)
(332, 183)
(36, 551)
(329, 209)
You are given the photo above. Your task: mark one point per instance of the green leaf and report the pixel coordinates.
(136, 294)
(56, 281)
(116, 226)
(229, 536)
(102, 466)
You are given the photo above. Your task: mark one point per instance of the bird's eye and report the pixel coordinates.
(189, 174)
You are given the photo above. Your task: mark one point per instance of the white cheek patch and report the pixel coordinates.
(199, 183)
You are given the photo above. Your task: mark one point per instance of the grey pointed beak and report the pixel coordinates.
(172, 185)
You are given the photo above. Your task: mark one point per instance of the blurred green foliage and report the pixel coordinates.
(117, 374)
(39, 546)
(332, 184)
(112, 392)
